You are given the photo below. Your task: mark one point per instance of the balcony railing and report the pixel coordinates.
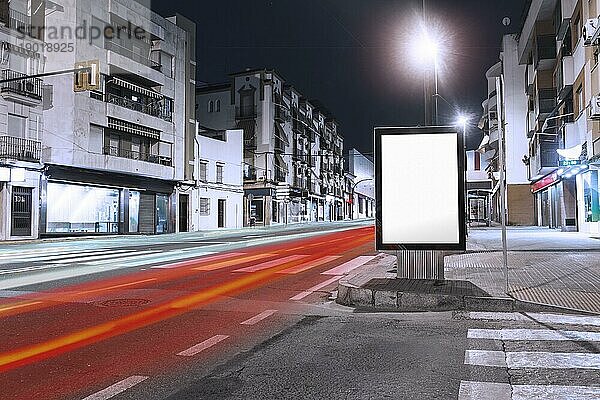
(279, 145)
(139, 58)
(282, 114)
(155, 110)
(20, 149)
(137, 155)
(16, 20)
(246, 112)
(250, 174)
(28, 87)
(250, 143)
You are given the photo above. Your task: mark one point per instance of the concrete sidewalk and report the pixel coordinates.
(548, 271)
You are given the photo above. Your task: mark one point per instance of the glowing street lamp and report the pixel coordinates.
(427, 51)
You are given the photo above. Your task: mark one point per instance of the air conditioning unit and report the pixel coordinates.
(589, 32)
(595, 107)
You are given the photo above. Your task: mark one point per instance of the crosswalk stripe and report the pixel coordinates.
(536, 317)
(230, 263)
(63, 255)
(533, 334)
(188, 262)
(305, 267)
(532, 359)
(81, 260)
(503, 391)
(137, 260)
(270, 264)
(349, 266)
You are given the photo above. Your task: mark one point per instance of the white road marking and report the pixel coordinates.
(527, 359)
(305, 267)
(533, 334)
(117, 388)
(192, 351)
(186, 262)
(81, 260)
(27, 269)
(138, 260)
(270, 264)
(485, 358)
(502, 391)
(484, 391)
(315, 288)
(349, 266)
(535, 317)
(256, 319)
(62, 255)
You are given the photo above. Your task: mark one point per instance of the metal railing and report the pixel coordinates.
(20, 149)
(16, 20)
(155, 110)
(137, 155)
(250, 174)
(28, 87)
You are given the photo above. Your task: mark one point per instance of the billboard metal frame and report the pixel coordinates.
(460, 155)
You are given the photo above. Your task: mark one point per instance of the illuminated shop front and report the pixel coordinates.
(128, 205)
(589, 204)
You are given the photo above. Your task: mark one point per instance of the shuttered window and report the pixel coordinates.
(204, 206)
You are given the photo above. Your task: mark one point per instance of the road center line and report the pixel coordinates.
(315, 288)
(192, 351)
(117, 388)
(256, 319)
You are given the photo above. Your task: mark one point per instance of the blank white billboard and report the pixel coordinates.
(420, 190)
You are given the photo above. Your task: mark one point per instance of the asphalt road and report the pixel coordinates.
(251, 317)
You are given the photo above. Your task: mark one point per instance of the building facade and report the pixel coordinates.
(117, 157)
(362, 181)
(293, 152)
(21, 120)
(218, 196)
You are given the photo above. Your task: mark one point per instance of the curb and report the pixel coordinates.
(386, 301)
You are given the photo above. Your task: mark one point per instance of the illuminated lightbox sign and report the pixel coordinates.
(420, 189)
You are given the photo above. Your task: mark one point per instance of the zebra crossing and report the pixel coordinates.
(532, 356)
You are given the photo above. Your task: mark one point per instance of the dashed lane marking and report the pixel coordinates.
(117, 388)
(192, 351)
(315, 288)
(257, 318)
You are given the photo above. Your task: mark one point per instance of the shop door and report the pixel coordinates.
(147, 213)
(183, 212)
(221, 213)
(21, 211)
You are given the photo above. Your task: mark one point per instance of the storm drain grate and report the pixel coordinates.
(124, 303)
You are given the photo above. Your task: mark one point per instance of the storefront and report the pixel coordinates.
(588, 187)
(84, 202)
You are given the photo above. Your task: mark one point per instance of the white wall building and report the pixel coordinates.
(217, 201)
(21, 120)
(362, 170)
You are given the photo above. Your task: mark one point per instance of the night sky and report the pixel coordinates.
(354, 55)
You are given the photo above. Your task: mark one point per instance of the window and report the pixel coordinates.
(211, 106)
(204, 206)
(218, 107)
(16, 125)
(579, 98)
(202, 171)
(219, 173)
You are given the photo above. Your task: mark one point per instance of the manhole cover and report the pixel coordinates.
(124, 303)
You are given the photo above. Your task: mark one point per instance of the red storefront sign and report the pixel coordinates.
(545, 182)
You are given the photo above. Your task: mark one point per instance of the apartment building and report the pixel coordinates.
(293, 151)
(362, 171)
(21, 119)
(513, 100)
(118, 158)
(217, 198)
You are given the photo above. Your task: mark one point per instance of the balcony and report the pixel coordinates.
(279, 145)
(26, 91)
(16, 20)
(20, 149)
(546, 101)
(282, 114)
(564, 77)
(132, 55)
(544, 159)
(246, 112)
(544, 52)
(139, 156)
(155, 110)
(250, 174)
(250, 144)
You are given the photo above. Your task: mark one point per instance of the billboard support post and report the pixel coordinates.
(420, 264)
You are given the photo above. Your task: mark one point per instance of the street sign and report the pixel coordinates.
(420, 189)
(569, 163)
